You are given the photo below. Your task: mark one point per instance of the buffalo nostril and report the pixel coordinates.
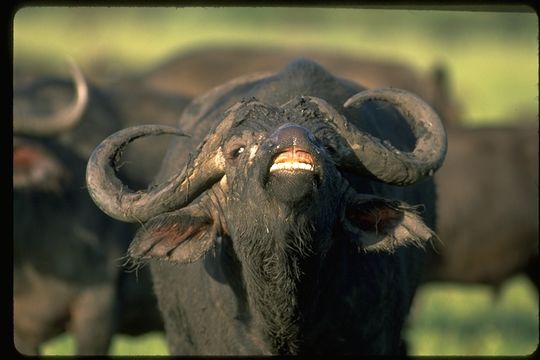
(293, 135)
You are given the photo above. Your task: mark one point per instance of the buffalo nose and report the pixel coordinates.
(293, 135)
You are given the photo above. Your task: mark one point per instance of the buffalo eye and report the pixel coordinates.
(235, 151)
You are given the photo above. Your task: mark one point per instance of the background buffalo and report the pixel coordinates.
(67, 255)
(487, 221)
(194, 72)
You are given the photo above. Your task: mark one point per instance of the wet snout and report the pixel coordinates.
(294, 145)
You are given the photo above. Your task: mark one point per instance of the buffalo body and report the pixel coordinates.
(487, 206)
(67, 254)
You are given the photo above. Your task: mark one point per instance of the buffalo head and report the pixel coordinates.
(35, 166)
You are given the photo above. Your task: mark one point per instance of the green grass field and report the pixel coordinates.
(492, 56)
(493, 60)
(472, 320)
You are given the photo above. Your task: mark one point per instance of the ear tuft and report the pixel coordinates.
(374, 216)
(36, 168)
(378, 224)
(181, 236)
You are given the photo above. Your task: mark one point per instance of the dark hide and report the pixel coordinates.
(60, 270)
(488, 206)
(324, 262)
(198, 70)
(68, 255)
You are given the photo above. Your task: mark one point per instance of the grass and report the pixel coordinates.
(492, 56)
(447, 320)
(473, 320)
(149, 344)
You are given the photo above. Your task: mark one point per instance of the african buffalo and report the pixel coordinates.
(195, 71)
(298, 223)
(198, 70)
(487, 206)
(67, 253)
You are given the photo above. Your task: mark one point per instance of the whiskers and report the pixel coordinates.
(130, 264)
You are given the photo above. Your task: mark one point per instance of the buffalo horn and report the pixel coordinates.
(124, 204)
(61, 120)
(371, 156)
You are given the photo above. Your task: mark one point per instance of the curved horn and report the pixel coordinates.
(381, 160)
(59, 121)
(124, 204)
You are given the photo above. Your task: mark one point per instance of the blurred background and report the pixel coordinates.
(490, 62)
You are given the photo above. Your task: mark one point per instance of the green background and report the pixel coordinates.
(492, 56)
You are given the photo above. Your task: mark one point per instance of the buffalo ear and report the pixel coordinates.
(34, 167)
(378, 224)
(182, 236)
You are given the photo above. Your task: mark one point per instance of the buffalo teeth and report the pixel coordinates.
(291, 166)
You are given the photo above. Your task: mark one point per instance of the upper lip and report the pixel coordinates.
(292, 159)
